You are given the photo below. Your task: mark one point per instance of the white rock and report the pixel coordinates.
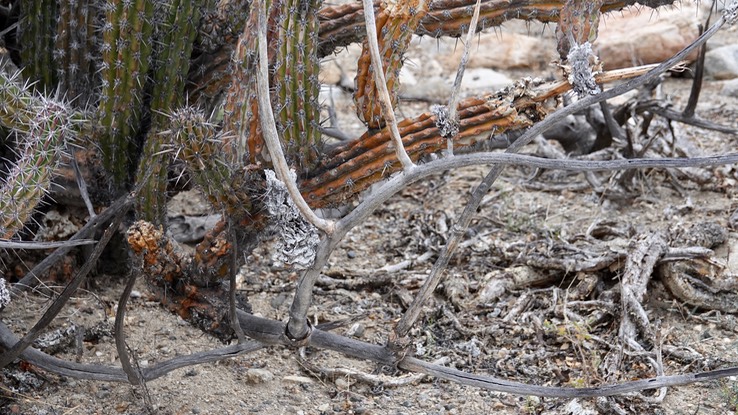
(638, 37)
(297, 379)
(483, 79)
(324, 408)
(256, 376)
(722, 63)
(506, 51)
(730, 88)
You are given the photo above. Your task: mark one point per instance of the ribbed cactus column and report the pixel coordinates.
(175, 33)
(293, 40)
(295, 80)
(37, 27)
(42, 127)
(200, 146)
(396, 22)
(125, 48)
(244, 143)
(578, 23)
(75, 49)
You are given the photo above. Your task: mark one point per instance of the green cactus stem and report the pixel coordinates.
(125, 49)
(295, 80)
(75, 49)
(37, 26)
(197, 143)
(174, 42)
(42, 127)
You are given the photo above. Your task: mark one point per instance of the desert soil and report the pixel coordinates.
(540, 345)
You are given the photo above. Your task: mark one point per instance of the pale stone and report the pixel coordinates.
(722, 63)
(640, 36)
(297, 379)
(730, 88)
(483, 79)
(256, 376)
(503, 51)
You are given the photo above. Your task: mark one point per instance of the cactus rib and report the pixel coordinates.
(396, 22)
(295, 80)
(75, 48)
(126, 49)
(174, 43)
(37, 24)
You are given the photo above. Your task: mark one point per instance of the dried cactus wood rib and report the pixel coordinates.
(396, 22)
(356, 165)
(343, 25)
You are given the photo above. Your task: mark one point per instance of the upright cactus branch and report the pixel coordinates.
(175, 36)
(578, 23)
(126, 48)
(295, 80)
(75, 49)
(200, 146)
(37, 26)
(240, 108)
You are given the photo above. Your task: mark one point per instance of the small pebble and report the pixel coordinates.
(256, 376)
(356, 330)
(342, 384)
(297, 379)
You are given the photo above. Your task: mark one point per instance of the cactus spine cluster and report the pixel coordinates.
(199, 144)
(42, 127)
